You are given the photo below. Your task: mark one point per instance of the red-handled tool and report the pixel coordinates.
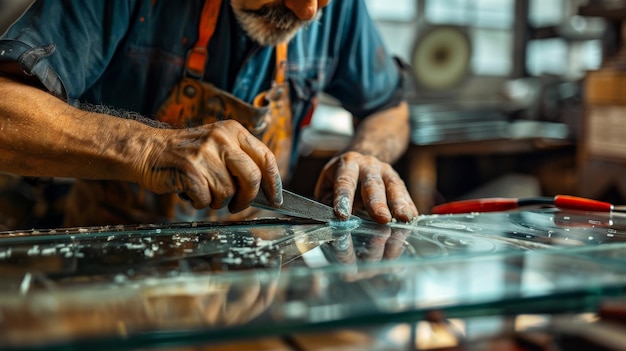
(504, 204)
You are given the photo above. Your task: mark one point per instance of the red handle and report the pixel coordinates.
(580, 203)
(477, 205)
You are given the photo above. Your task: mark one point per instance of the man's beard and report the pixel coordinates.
(271, 24)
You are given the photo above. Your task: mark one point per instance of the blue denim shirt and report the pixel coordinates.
(130, 53)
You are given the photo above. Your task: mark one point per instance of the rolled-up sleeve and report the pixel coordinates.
(54, 41)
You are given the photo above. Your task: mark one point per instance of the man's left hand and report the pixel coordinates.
(353, 180)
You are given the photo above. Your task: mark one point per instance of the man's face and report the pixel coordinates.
(270, 22)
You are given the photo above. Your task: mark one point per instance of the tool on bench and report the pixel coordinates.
(504, 204)
(296, 206)
(299, 206)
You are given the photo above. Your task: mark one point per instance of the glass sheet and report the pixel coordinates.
(130, 287)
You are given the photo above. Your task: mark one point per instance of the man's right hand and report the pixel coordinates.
(216, 165)
(219, 164)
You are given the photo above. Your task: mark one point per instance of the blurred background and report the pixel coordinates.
(514, 98)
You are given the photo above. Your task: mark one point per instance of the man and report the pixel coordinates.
(224, 85)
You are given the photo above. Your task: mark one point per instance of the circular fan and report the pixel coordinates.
(441, 57)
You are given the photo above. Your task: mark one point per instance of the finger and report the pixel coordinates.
(212, 307)
(400, 203)
(183, 167)
(218, 185)
(247, 178)
(343, 249)
(395, 244)
(240, 299)
(270, 180)
(273, 186)
(346, 181)
(207, 189)
(194, 188)
(376, 245)
(222, 192)
(373, 194)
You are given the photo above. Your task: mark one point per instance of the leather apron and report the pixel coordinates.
(191, 103)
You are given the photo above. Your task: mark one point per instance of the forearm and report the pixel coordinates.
(384, 135)
(44, 136)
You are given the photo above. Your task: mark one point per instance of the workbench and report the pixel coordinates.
(286, 283)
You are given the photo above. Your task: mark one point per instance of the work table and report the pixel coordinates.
(185, 284)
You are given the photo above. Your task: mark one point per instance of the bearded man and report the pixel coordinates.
(179, 111)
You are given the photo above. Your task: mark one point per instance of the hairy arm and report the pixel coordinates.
(44, 136)
(214, 165)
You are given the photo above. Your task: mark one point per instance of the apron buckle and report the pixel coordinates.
(196, 59)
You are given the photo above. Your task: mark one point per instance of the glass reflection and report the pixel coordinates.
(270, 276)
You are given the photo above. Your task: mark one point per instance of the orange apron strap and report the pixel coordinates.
(198, 55)
(281, 62)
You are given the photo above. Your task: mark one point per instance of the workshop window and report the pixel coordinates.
(575, 41)
(398, 11)
(489, 25)
(471, 13)
(543, 13)
(548, 55)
